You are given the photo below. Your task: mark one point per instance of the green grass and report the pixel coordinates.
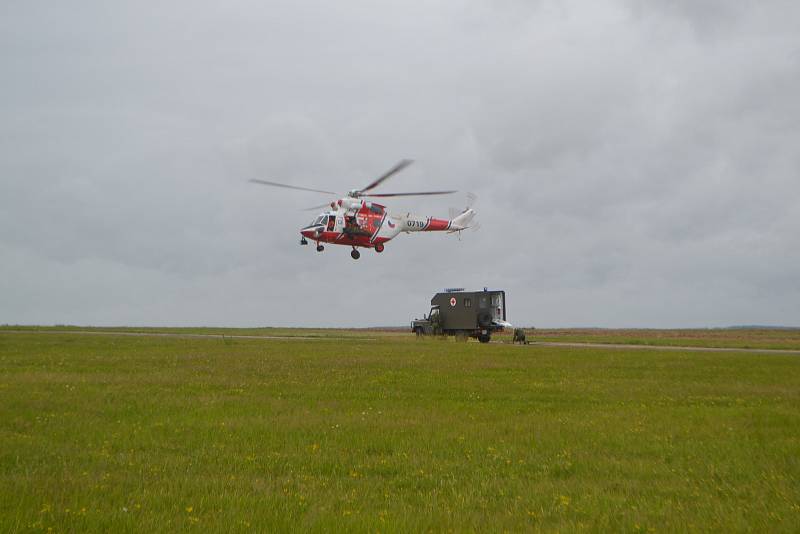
(752, 338)
(328, 333)
(709, 337)
(109, 433)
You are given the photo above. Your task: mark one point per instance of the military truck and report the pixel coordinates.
(455, 312)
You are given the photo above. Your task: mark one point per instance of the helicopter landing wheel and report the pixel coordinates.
(378, 248)
(320, 248)
(355, 254)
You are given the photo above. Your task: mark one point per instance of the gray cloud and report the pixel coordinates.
(636, 165)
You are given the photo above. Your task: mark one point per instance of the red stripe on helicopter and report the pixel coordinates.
(435, 225)
(352, 240)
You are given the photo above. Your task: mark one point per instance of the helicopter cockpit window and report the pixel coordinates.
(331, 222)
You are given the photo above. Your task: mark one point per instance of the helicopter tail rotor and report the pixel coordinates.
(455, 212)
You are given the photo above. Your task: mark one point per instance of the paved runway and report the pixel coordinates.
(660, 347)
(317, 338)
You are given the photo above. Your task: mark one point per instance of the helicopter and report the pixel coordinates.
(356, 222)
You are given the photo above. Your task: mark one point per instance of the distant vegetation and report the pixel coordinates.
(381, 432)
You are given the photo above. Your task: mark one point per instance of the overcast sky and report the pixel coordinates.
(636, 163)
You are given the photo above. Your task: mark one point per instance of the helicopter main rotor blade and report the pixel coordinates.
(287, 186)
(394, 170)
(420, 193)
(314, 208)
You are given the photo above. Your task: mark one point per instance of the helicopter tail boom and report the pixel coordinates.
(410, 223)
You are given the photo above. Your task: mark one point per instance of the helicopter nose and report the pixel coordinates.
(313, 233)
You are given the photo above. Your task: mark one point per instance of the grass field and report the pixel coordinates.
(328, 333)
(110, 433)
(764, 338)
(760, 338)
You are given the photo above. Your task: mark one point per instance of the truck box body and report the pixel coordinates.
(469, 310)
(464, 314)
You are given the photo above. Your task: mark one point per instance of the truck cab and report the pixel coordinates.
(428, 325)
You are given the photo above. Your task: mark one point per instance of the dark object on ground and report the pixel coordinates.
(519, 336)
(462, 314)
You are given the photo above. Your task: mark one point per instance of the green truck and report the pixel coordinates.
(455, 312)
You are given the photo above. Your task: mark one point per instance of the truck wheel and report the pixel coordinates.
(484, 338)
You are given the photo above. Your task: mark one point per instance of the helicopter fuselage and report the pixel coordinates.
(359, 223)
